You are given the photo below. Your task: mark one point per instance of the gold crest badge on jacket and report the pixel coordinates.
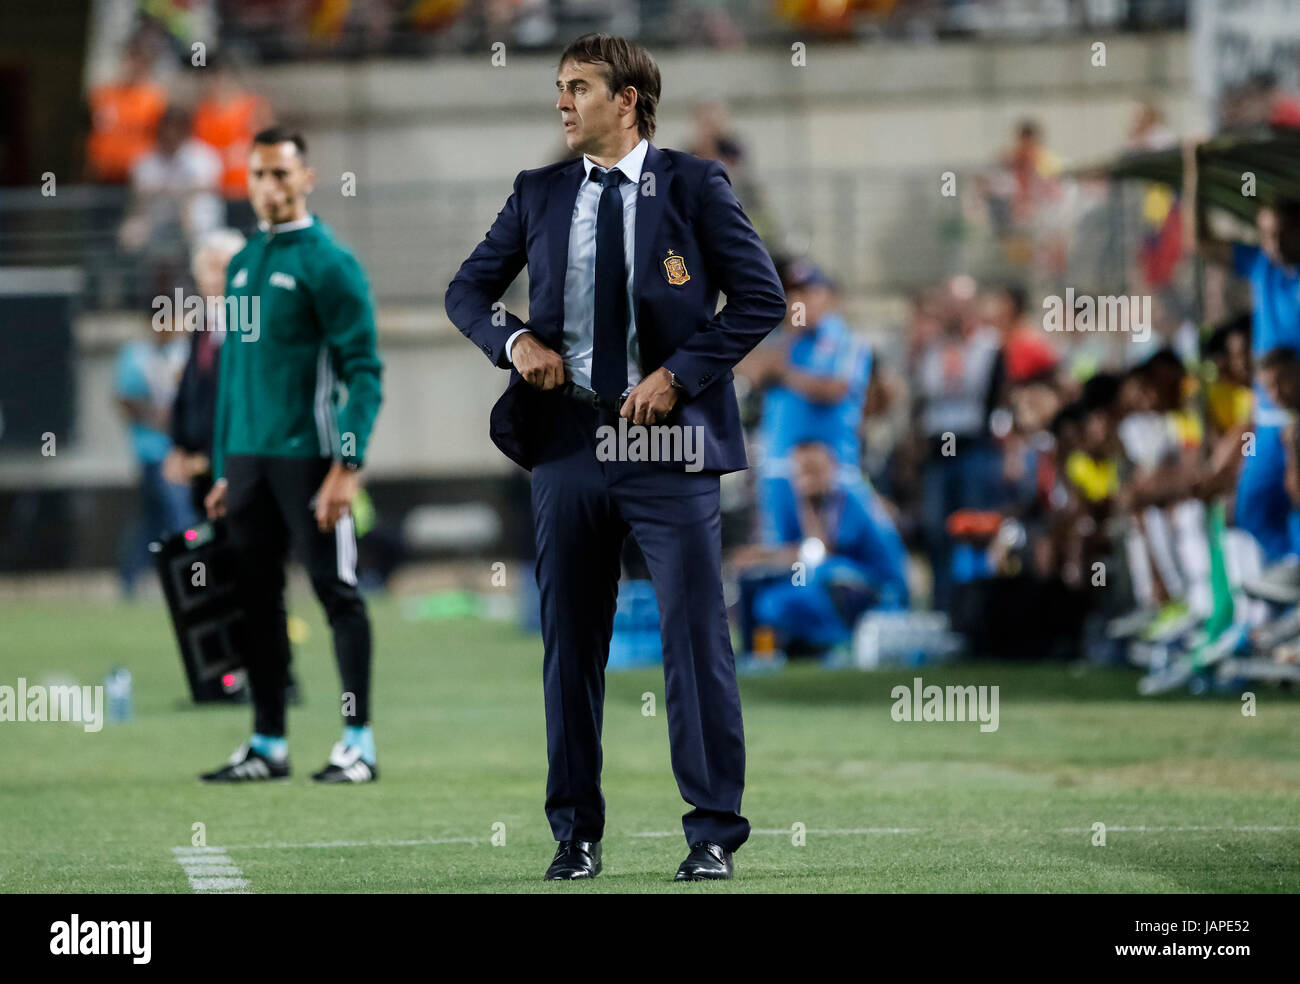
(675, 267)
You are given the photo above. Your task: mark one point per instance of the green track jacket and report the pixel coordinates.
(300, 322)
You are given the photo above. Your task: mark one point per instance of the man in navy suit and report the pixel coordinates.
(627, 248)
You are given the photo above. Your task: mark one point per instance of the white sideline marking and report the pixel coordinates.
(385, 843)
(860, 831)
(1180, 830)
(212, 864)
(205, 885)
(785, 832)
(210, 870)
(203, 861)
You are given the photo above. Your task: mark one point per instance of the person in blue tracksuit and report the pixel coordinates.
(848, 553)
(817, 373)
(1263, 508)
(1272, 267)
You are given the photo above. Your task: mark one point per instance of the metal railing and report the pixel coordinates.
(877, 231)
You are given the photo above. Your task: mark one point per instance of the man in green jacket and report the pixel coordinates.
(288, 450)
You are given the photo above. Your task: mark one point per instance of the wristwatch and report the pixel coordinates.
(672, 381)
(350, 464)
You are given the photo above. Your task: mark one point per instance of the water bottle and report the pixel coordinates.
(117, 687)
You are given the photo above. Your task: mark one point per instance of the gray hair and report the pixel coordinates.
(225, 241)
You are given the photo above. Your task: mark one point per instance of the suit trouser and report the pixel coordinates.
(583, 508)
(270, 507)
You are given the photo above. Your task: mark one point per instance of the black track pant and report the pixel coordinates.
(270, 507)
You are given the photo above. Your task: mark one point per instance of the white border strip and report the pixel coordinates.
(210, 871)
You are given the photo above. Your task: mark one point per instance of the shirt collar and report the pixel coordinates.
(630, 166)
(293, 226)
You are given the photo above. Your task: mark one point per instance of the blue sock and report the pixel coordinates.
(271, 747)
(361, 738)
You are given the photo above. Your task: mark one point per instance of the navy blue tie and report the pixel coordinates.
(609, 347)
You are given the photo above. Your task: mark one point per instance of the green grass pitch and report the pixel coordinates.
(1196, 797)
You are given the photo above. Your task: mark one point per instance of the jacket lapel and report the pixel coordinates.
(560, 199)
(649, 210)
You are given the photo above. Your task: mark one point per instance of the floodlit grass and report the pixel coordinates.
(886, 806)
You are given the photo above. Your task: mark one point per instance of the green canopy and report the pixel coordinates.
(1271, 154)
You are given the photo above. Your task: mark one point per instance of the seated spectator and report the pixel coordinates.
(852, 557)
(1092, 473)
(1229, 406)
(1092, 468)
(1163, 437)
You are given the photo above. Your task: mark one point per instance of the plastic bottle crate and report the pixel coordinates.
(635, 641)
(903, 639)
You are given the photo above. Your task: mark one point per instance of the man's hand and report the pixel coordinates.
(540, 365)
(760, 555)
(651, 400)
(764, 364)
(334, 498)
(215, 501)
(175, 467)
(180, 466)
(749, 555)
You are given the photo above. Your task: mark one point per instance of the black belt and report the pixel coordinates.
(591, 398)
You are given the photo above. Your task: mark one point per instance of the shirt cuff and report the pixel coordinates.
(511, 341)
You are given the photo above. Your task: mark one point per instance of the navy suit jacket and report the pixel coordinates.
(688, 211)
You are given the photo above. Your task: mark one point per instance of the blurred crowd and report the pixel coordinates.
(1115, 479)
(184, 167)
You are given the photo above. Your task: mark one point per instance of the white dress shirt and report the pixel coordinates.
(580, 275)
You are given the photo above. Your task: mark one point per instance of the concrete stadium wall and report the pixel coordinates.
(938, 105)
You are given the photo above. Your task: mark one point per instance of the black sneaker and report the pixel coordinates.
(247, 765)
(346, 765)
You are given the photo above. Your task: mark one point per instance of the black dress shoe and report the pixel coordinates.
(574, 859)
(706, 862)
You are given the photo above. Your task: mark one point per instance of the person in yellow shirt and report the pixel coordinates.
(1091, 456)
(1230, 404)
(1229, 397)
(1096, 480)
